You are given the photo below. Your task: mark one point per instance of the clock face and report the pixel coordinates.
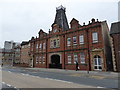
(55, 30)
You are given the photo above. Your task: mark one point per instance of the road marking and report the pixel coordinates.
(3, 82)
(59, 80)
(24, 74)
(9, 71)
(100, 87)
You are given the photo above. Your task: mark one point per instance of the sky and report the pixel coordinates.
(22, 19)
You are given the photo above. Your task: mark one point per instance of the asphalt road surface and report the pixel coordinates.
(28, 81)
(28, 78)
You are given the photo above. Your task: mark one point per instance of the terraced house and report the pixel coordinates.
(89, 45)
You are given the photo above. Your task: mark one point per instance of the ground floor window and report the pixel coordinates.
(82, 57)
(75, 58)
(36, 59)
(97, 63)
(43, 60)
(69, 59)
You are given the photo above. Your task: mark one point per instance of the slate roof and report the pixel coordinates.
(115, 28)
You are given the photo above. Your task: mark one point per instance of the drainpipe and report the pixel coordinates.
(88, 65)
(46, 52)
(64, 50)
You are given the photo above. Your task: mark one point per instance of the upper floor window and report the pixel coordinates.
(81, 39)
(40, 45)
(82, 57)
(95, 37)
(69, 59)
(75, 40)
(44, 45)
(54, 43)
(75, 58)
(58, 42)
(36, 46)
(68, 41)
(51, 43)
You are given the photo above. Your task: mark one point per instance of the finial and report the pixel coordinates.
(83, 23)
(49, 30)
(89, 22)
(97, 20)
(93, 20)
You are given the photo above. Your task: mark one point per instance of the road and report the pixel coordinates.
(29, 81)
(29, 78)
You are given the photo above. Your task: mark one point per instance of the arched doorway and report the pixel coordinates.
(97, 63)
(55, 62)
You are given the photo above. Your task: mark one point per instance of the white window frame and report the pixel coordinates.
(97, 65)
(44, 45)
(75, 58)
(58, 42)
(40, 46)
(81, 39)
(82, 57)
(75, 43)
(68, 41)
(37, 46)
(36, 59)
(40, 59)
(94, 37)
(43, 59)
(69, 59)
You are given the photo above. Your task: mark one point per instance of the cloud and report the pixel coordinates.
(22, 19)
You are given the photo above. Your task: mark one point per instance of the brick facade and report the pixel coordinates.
(82, 43)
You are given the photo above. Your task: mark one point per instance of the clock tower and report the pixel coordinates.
(61, 19)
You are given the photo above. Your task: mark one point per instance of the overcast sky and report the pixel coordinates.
(22, 19)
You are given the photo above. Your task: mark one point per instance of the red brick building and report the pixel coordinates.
(115, 34)
(63, 46)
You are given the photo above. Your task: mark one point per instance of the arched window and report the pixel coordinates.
(97, 63)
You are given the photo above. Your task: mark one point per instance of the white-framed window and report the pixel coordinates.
(95, 37)
(97, 63)
(82, 57)
(75, 58)
(68, 41)
(36, 46)
(74, 40)
(36, 59)
(40, 45)
(81, 39)
(40, 59)
(69, 59)
(43, 59)
(58, 42)
(44, 46)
